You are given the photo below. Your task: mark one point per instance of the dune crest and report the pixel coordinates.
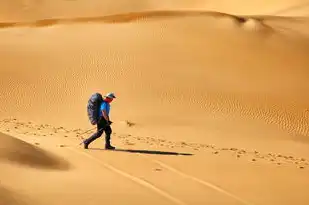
(123, 18)
(30, 10)
(249, 22)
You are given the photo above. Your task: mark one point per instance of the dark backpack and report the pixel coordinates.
(93, 107)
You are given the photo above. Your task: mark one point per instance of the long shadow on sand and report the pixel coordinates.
(144, 151)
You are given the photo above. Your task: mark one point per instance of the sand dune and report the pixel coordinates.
(211, 101)
(154, 15)
(223, 86)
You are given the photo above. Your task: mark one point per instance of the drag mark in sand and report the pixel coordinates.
(131, 177)
(200, 181)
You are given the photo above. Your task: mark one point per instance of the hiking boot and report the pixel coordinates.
(108, 146)
(108, 142)
(85, 145)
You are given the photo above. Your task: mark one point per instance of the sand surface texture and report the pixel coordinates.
(212, 102)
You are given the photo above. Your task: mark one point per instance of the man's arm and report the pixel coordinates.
(105, 115)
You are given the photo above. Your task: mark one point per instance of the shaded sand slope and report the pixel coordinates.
(7, 197)
(17, 151)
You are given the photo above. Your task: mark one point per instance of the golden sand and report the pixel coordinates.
(211, 107)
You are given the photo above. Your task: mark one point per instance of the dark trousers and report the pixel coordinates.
(102, 126)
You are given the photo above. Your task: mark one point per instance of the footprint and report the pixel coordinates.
(204, 146)
(216, 152)
(260, 156)
(158, 169)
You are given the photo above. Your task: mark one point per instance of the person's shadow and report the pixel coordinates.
(144, 151)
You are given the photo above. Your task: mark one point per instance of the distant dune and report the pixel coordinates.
(32, 10)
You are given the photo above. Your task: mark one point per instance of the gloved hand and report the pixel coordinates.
(109, 122)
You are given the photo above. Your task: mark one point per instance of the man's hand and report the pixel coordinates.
(106, 117)
(109, 122)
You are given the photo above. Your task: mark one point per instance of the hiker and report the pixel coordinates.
(103, 123)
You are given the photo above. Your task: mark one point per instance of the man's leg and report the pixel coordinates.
(95, 136)
(108, 132)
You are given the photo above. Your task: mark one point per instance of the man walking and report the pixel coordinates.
(103, 123)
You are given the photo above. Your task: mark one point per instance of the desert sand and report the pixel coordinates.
(212, 102)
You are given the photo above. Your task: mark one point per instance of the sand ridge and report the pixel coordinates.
(255, 22)
(120, 18)
(17, 151)
(12, 10)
